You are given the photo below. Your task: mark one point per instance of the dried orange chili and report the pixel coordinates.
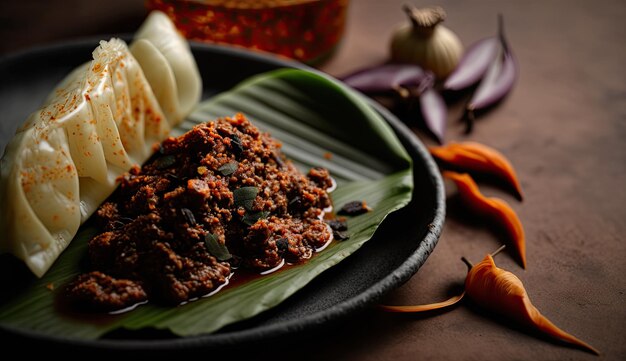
(499, 291)
(493, 208)
(476, 157)
(502, 292)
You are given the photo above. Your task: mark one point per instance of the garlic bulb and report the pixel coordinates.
(427, 43)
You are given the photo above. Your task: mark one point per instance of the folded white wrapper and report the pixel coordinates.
(105, 117)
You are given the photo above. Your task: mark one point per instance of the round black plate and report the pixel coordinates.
(398, 249)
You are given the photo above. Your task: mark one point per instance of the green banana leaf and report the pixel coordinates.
(312, 116)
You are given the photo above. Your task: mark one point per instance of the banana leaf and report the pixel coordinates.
(313, 116)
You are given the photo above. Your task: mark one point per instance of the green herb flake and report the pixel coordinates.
(165, 162)
(340, 235)
(252, 218)
(228, 168)
(189, 217)
(244, 197)
(217, 249)
(236, 144)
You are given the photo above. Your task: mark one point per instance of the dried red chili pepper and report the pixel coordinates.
(476, 157)
(493, 208)
(437, 305)
(500, 291)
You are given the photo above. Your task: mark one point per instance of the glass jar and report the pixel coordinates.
(305, 30)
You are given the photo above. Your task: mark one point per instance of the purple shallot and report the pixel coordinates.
(473, 65)
(497, 82)
(387, 78)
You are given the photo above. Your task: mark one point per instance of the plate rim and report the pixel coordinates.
(392, 280)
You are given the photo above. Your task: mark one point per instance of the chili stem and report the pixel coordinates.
(498, 250)
(468, 263)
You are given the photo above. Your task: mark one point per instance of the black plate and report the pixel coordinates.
(398, 249)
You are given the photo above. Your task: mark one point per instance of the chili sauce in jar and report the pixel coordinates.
(304, 30)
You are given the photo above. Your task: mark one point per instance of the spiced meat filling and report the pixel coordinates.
(221, 195)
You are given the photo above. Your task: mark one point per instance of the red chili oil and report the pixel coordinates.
(305, 30)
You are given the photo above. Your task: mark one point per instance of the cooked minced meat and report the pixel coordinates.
(223, 182)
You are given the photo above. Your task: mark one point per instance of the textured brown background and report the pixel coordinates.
(563, 128)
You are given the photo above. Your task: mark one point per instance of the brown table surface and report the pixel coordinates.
(563, 128)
